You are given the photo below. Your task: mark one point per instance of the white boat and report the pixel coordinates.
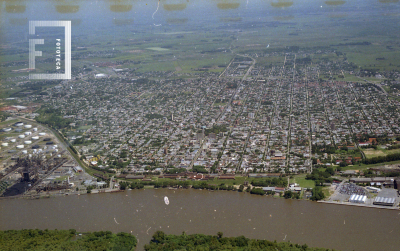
(166, 200)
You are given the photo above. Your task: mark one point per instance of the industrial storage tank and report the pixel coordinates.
(12, 140)
(18, 130)
(28, 126)
(35, 137)
(19, 124)
(35, 129)
(21, 136)
(27, 133)
(4, 144)
(6, 129)
(28, 142)
(35, 147)
(20, 146)
(46, 139)
(24, 151)
(42, 133)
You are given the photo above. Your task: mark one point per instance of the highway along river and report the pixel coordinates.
(142, 212)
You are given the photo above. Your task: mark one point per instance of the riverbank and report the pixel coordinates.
(358, 205)
(102, 191)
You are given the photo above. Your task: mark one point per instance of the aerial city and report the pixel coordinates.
(199, 125)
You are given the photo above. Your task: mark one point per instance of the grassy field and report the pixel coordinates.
(327, 192)
(301, 180)
(7, 123)
(370, 153)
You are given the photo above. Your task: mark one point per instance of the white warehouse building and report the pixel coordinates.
(355, 198)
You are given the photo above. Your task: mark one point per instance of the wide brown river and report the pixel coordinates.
(142, 212)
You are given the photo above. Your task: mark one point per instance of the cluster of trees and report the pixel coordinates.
(53, 118)
(73, 149)
(291, 195)
(156, 184)
(266, 102)
(175, 170)
(380, 159)
(29, 239)
(3, 116)
(320, 177)
(258, 191)
(107, 170)
(324, 149)
(171, 183)
(275, 182)
(160, 242)
(202, 185)
(394, 147)
(317, 194)
(199, 169)
(215, 129)
(134, 185)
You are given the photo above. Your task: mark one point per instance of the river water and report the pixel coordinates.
(142, 212)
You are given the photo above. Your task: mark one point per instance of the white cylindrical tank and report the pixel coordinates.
(30, 155)
(19, 124)
(4, 144)
(27, 133)
(35, 129)
(28, 142)
(34, 150)
(20, 146)
(12, 140)
(28, 126)
(42, 133)
(35, 137)
(21, 136)
(55, 146)
(25, 151)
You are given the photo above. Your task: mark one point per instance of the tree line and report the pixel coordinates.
(68, 240)
(380, 159)
(160, 242)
